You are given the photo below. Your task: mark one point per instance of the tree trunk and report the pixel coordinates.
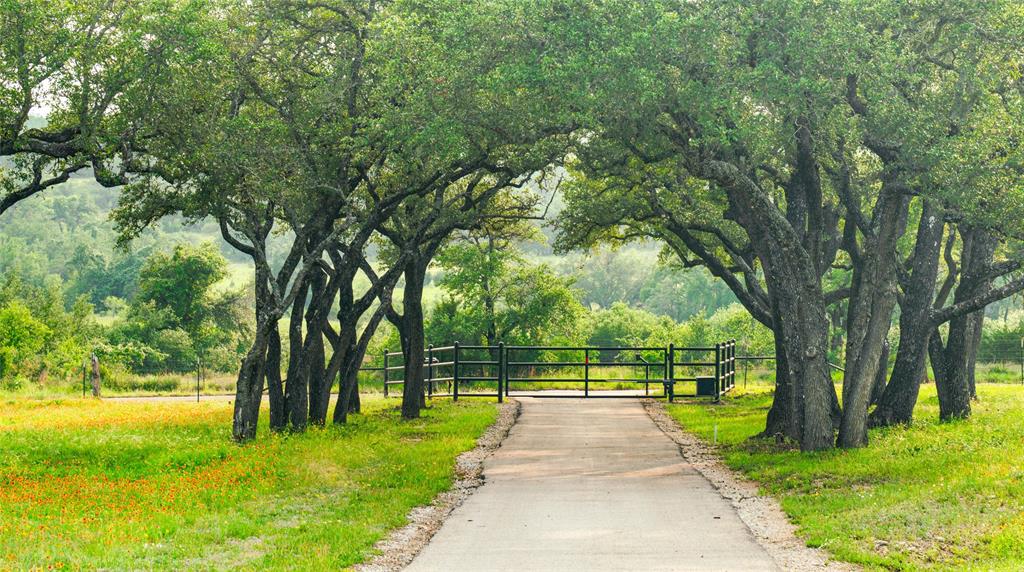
(950, 367)
(837, 329)
(355, 404)
(806, 402)
(896, 405)
(348, 374)
(779, 423)
(812, 397)
(266, 343)
(956, 358)
(412, 336)
(872, 301)
(296, 396)
(275, 387)
(348, 386)
(344, 344)
(249, 388)
(319, 381)
(319, 384)
(878, 387)
(799, 315)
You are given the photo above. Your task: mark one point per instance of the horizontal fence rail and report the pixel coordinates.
(491, 370)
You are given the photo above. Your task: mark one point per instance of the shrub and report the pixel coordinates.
(22, 338)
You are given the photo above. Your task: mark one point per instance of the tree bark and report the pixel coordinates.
(872, 300)
(275, 386)
(296, 396)
(953, 360)
(896, 405)
(949, 364)
(878, 386)
(413, 340)
(799, 309)
(348, 386)
(349, 344)
(779, 422)
(355, 404)
(315, 357)
(319, 384)
(249, 387)
(491, 335)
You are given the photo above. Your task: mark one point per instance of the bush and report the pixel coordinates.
(734, 322)
(176, 345)
(22, 338)
(13, 383)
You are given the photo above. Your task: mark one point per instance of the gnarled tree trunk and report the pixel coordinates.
(872, 300)
(896, 405)
(953, 360)
(296, 396)
(249, 387)
(249, 384)
(806, 409)
(410, 329)
(779, 422)
(275, 385)
(320, 381)
(878, 386)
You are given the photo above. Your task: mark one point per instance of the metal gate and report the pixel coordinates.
(499, 371)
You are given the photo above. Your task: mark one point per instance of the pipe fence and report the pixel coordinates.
(492, 371)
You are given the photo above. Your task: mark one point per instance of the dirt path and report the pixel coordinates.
(592, 485)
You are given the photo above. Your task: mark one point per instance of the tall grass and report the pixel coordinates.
(130, 486)
(935, 496)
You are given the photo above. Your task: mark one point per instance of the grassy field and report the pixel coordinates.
(86, 484)
(936, 496)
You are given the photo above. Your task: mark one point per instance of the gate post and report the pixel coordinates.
(647, 379)
(502, 374)
(670, 372)
(718, 371)
(430, 370)
(505, 367)
(386, 373)
(586, 372)
(732, 364)
(455, 372)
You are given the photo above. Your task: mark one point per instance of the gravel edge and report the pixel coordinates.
(398, 549)
(761, 513)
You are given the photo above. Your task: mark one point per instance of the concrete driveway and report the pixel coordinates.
(591, 485)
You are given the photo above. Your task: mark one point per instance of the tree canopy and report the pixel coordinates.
(838, 166)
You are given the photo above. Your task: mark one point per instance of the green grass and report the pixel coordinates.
(935, 496)
(1003, 372)
(101, 485)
